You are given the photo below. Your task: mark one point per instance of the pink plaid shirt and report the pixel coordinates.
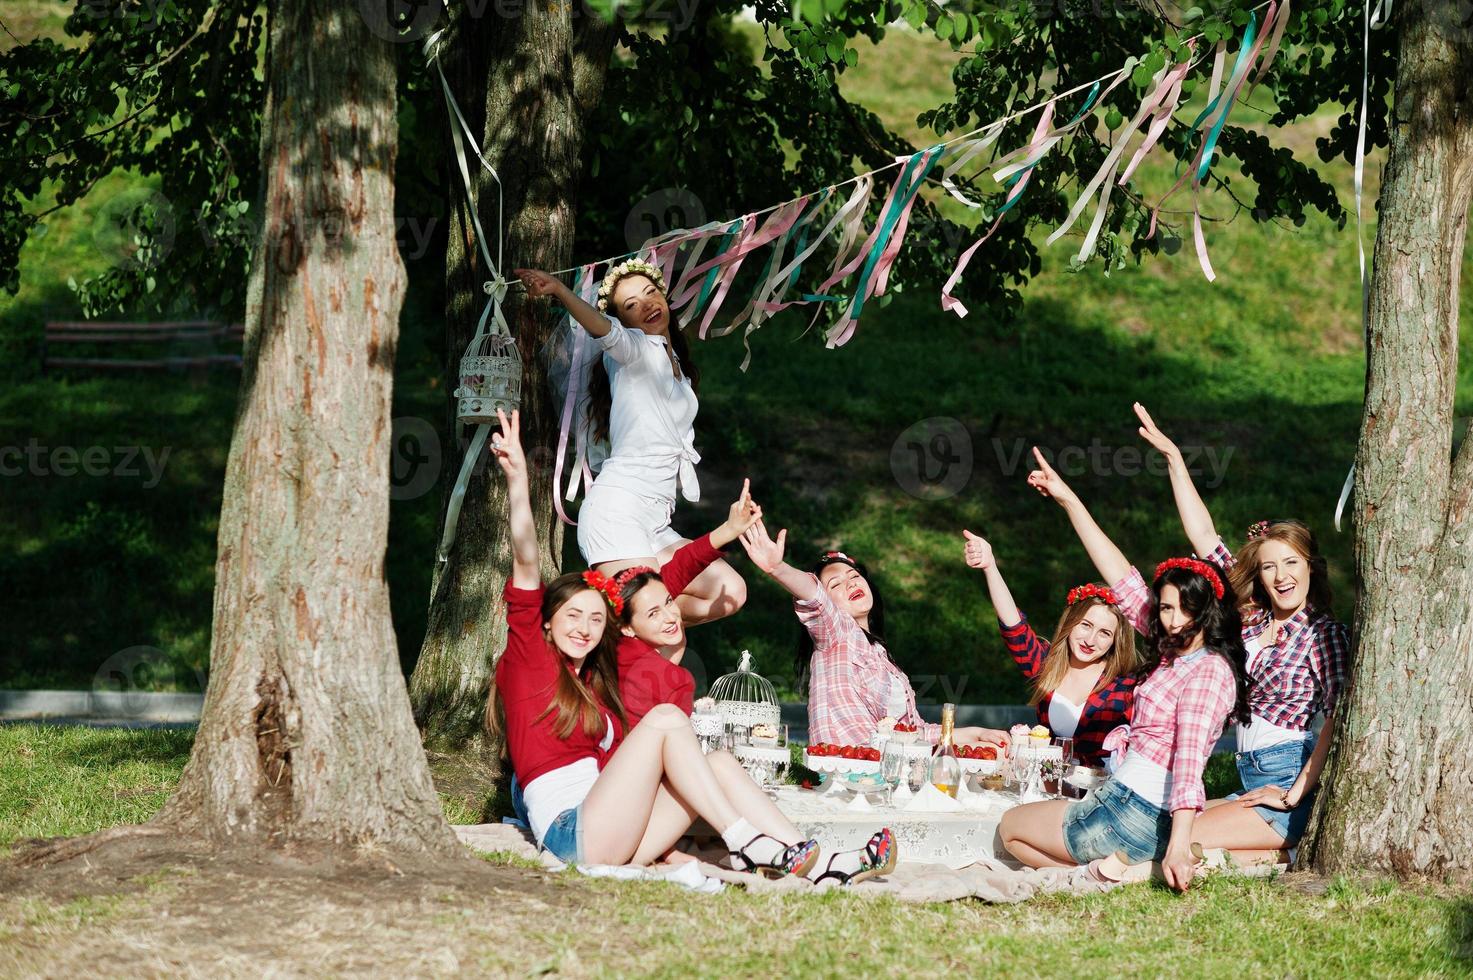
(1180, 710)
(1302, 669)
(849, 677)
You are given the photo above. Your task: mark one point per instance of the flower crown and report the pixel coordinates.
(835, 556)
(623, 578)
(602, 584)
(1257, 529)
(630, 268)
(1091, 591)
(1193, 565)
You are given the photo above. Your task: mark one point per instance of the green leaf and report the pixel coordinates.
(835, 49)
(944, 27)
(1113, 119)
(851, 57)
(1191, 15)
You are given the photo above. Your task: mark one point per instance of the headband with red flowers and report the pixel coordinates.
(623, 578)
(602, 584)
(1193, 565)
(1091, 591)
(1257, 529)
(836, 556)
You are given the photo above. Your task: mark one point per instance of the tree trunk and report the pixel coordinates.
(307, 732)
(530, 81)
(1399, 796)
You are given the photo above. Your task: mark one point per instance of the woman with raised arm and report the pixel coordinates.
(643, 401)
(1084, 678)
(1192, 682)
(853, 683)
(596, 791)
(1298, 661)
(652, 633)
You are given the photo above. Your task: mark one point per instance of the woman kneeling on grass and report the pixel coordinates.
(1193, 682)
(595, 794)
(854, 683)
(1084, 678)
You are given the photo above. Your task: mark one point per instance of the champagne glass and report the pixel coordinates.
(892, 765)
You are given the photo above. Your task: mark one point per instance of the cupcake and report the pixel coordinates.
(764, 734)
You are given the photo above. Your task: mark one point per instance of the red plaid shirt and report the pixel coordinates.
(1180, 710)
(1107, 708)
(1301, 670)
(849, 677)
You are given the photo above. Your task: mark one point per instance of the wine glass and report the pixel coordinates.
(892, 765)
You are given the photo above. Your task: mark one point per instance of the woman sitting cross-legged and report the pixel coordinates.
(650, 623)
(854, 683)
(1084, 678)
(594, 792)
(1193, 681)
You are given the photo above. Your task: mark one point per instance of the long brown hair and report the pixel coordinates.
(600, 389)
(1120, 660)
(1246, 583)
(576, 696)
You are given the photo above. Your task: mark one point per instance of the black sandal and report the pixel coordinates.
(796, 859)
(881, 854)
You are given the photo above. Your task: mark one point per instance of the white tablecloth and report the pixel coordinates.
(955, 840)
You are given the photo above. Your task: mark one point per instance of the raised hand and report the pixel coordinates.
(1158, 439)
(506, 446)
(979, 552)
(743, 512)
(1047, 481)
(765, 553)
(538, 283)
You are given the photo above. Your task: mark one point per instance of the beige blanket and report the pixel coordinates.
(988, 880)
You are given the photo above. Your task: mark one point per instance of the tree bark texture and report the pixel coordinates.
(307, 732)
(528, 81)
(1399, 791)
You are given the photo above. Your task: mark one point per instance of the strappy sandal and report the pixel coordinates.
(880, 856)
(796, 859)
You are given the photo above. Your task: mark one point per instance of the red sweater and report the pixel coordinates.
(525, 679)
(646, 678)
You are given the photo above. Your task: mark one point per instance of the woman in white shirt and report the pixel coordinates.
(643, 400)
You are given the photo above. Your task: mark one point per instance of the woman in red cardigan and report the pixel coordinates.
(651, 626)
(1084, 678)
(595, 791)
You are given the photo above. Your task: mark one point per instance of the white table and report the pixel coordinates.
(955, 839)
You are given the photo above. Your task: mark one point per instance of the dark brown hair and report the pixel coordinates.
(1247, 584)
(600, 390)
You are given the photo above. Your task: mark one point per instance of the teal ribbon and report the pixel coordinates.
(910, 182)
(1209, 145)
(715, 272)
(1089, 101)
(806, 226)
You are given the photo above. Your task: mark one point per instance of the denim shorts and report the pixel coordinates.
(564, 837)
(1278, 765)
(1116, 818)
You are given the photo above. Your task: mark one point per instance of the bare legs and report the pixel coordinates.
(1241, 831)
(714, 594)
(655, 785)
(1034, 834)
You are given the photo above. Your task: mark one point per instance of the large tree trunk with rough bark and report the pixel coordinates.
(528, 82)
(1399, 795)
(307, 733)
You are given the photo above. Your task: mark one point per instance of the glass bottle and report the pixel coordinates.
(946, 768)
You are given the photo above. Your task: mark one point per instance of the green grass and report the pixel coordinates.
(67, 780)
(1264, 364)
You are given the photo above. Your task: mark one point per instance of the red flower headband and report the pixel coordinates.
(1193, 565)
(602, 584)
(1091, 591)
(836, 556)
(1257, 529)
(622, 579)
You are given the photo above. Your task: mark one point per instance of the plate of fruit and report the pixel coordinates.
(980, 759)
(823, 757)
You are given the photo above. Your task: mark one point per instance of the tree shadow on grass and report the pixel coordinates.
(109, 747)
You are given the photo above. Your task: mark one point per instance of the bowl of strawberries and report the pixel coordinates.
(978, 759)
(825, 757)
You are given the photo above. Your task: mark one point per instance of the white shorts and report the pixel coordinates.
(617, 525)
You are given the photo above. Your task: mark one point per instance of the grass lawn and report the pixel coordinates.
(1263, 370)
(68, 781)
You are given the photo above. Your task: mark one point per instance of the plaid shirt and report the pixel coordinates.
(1180, 710)
(1302, 668)
(1107, 708)
(849, 677)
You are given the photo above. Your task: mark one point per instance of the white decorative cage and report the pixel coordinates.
(490, 378)
(746, 698)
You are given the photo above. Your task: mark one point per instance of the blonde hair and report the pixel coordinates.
(1244, 579)
(1120, 660)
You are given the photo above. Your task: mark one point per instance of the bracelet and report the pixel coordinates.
(1284, 798)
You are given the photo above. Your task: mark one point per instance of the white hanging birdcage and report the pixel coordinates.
(745, 698)
(490, 378)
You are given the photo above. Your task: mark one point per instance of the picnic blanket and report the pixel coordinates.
(990, 880)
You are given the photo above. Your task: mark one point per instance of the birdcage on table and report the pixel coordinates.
(749, 708)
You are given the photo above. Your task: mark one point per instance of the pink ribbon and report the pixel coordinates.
(580, 467)
(779, 222)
